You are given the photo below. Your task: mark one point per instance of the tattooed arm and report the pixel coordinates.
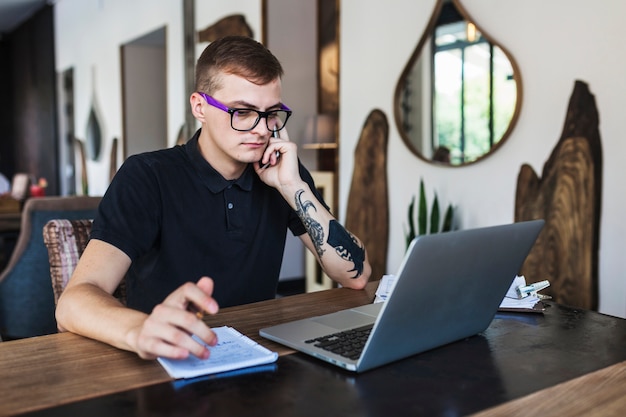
(341, 254)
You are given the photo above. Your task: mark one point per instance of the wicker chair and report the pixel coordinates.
(66, 241)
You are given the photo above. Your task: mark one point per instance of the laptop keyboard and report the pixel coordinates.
(348, 344)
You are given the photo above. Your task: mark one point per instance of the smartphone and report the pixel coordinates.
(277, 153)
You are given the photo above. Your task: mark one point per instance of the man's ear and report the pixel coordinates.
(197, 109)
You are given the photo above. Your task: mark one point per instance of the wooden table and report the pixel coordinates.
(55, 369)
(566, 362)
(601, 393)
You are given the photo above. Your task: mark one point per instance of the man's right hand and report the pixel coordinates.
(87, 307)
(168, 329)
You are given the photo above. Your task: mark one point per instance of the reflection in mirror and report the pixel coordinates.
(459, 96)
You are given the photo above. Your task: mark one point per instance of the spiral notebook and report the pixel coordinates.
(234, 350)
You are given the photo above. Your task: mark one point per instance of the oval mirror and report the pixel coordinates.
(459, 95)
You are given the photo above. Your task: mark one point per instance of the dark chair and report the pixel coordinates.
(26, 296)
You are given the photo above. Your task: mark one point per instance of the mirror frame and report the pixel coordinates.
(397, 101)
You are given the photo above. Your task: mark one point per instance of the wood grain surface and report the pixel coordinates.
(55, 369)
(568, 196)
(367, 214)
(598, 394)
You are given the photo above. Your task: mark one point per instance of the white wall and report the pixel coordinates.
(88, 36)
(554, 44)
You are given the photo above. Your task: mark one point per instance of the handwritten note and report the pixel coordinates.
(233, 351)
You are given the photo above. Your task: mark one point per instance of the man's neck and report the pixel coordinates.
(227, 167)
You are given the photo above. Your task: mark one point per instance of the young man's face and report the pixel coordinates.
(225, 147)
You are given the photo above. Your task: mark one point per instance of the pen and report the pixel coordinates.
(526, 290)
(277, 153)
(199, 313)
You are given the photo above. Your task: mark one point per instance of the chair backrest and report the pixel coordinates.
(66, 241)
(26, 297)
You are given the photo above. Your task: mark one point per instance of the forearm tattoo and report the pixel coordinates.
(346, 246)
(313, 228)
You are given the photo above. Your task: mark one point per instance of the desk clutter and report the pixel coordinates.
(521, 297)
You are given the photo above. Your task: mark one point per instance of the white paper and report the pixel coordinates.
(233, 351)
(527, 302)
(512, 300)
(385, 287)
(518, 281)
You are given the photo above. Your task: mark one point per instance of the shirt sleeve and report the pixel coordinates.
(129, 215)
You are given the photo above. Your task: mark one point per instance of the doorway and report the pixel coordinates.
(144, 93)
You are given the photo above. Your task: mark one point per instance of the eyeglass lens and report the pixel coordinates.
(248, 119)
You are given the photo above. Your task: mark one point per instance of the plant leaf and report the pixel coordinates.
(411, 233)
(423, 210)
(434, 216)
(447, 220)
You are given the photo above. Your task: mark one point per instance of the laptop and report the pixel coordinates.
(448, 287)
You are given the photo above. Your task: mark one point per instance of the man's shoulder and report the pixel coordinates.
(161, 157)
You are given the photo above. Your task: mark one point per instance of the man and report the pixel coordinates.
(215, 210)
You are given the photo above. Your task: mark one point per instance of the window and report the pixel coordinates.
(468, 73)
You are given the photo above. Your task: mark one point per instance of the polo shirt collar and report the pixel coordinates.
(213, 180)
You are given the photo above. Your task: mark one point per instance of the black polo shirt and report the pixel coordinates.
(178, 220)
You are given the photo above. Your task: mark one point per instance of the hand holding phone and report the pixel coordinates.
(277, 153)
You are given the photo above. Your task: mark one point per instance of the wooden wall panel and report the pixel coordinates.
(29, 109)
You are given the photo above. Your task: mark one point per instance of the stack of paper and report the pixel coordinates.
(525, 303)
(384, 288)
(512, 301)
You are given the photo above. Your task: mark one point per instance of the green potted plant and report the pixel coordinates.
(423, 218)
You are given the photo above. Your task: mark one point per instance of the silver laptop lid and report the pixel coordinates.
(448, 287)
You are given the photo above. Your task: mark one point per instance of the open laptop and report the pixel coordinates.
(448, 287)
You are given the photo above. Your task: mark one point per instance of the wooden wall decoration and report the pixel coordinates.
(568, 196)
(113, 159)
(228, 26)
(368, 208)
(328, 58)
(80, 163)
